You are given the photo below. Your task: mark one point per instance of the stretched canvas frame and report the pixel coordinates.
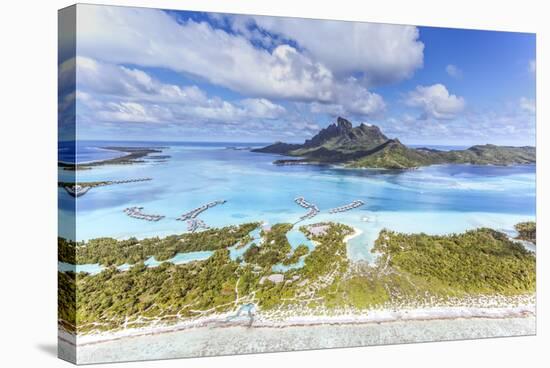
(233, 184)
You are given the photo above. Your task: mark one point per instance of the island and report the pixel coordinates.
(134, 155)
(470, 270)
(80, 188)
(111, 252)
(365, 146)
(527, 231)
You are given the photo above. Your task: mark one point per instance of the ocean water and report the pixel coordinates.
(236, 252)
(95, 268)
(436, 200)
(209, 341)
(85, 153)
(295, 238)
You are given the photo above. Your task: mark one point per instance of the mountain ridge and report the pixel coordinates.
(365, 146)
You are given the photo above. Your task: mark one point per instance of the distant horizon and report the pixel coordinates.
(415, 145)
(157, 74)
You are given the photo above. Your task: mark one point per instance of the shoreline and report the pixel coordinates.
(356, 232)
(120, 154)
(131, 155)
(202, 342)
(523, 306)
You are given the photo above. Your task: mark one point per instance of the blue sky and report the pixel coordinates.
(146, 74)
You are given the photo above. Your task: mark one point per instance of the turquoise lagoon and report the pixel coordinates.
(295, 238)
(437, 199)
(94, 268)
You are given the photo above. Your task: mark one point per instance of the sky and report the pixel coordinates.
(148, 74)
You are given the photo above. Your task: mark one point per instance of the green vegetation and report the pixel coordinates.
(275, 248)
(109, 251)
(489, 154)
(475, 262)
(330, 253)
(66, 251)
(527, 231)
(341, 137)
(155, 293)
(360, 291)
(366, 146)
(169, 292)
(322, 268)
(91, 184)
(415, 267)
(66, 300)
(393, 155)
(133, 155)
(410, 268)
(300, 251)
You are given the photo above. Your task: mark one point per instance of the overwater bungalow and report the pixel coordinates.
(347, 207)
(135, 212)
(313, 209)
(197, 211)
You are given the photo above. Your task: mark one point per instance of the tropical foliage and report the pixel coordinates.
(478, 261)
(527, 231)
(109, 251)
(409, 268)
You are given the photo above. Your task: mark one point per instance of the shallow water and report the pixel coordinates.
(208, 341)
(91, 268)
(295, 238)
(436, 199)
(236, 252)
(85, 153)
(95, 268)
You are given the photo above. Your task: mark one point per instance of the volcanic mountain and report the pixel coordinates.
(366, 146)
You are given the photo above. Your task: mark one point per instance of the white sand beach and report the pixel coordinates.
(308, 329)
(208, 340)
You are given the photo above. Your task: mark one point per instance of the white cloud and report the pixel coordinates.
(527, 104)
(66, 76)
(262, 108)
(407, 118)
(216, 111)
(385, 53)
(502, 124)
(133, 112)
(306, 127)
(120, 94)
(507, 125)
(358, 100)
(453, 71)
(131, 83)
(435, 101)
(152, 38)
(352, 99)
